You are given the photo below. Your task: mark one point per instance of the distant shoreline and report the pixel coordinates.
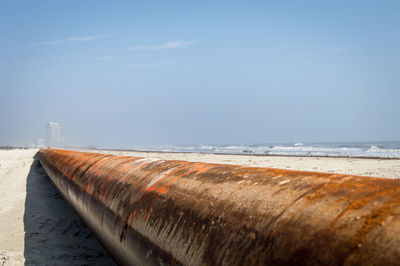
(211, 153)
(375, 167)
(242, 154)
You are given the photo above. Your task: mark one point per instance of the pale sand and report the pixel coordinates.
(389, 168)
(38, 227)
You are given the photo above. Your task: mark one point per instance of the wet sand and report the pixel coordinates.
(37, 227)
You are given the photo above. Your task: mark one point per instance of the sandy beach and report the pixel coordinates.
(38, 227)
(389, 168)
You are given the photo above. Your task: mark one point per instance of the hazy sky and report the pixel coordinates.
(123, 73)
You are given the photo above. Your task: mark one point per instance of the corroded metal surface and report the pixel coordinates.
(148, 211)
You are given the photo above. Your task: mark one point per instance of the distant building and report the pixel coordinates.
(53, 134)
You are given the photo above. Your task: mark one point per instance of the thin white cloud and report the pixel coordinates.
(151, 64)
(89, 38)
(109, 57)
(168, 45)
(336, 50)
(74, 39)
(54, 42)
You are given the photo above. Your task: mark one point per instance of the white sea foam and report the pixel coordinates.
(380, 150)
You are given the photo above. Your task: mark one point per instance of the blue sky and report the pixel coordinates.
(123, 73)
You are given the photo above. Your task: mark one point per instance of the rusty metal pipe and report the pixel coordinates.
(147, 211)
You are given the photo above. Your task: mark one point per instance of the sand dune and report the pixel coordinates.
(38, 227)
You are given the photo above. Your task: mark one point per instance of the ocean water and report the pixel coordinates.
(350, 149)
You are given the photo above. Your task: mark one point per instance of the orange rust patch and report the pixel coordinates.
(371, 221)
(151, 188)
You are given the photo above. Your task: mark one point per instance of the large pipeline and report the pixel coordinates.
(150, 212)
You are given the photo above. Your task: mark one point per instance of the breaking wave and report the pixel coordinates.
(378, 150)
